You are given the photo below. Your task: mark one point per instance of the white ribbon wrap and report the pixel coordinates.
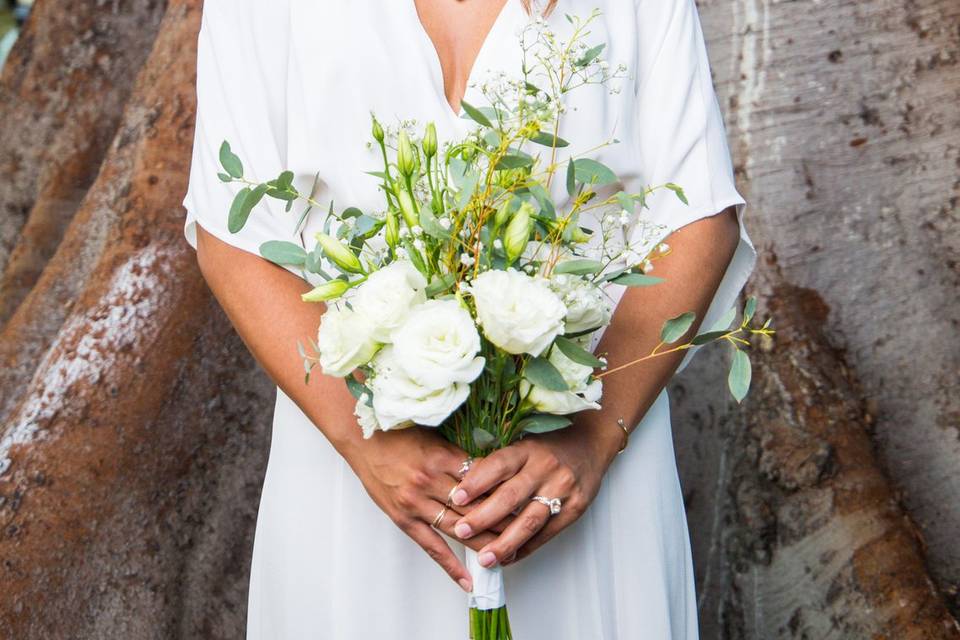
(488, 592)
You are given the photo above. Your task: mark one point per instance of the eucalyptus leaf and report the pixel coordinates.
(577, 353)
(350, 212)
(749, 309)
(549, 140)
(676, 328)
(709, 336)
(439, 285)
(230, 162)
(284, 180)
(590, 171)
(543, 423)
(589, 55)
(475, 114)
(579, 267)
(740, 375)
(432, 226)
(542, 373)
(483, 438)
(571, 178)
(677, 190)
(514, 161)
(636, 280)
(283, 253)
(224, 177)
(543, 199)
(723, 324)
(626, 203)
(357, 388)
(238, 214)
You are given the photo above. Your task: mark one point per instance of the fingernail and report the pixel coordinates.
(463, 530)
(487, 559)
(465, 585)
(460, 497)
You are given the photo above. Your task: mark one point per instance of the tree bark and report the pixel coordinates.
(134, 424)
(845, 137)
(135, 433)
(61, 95)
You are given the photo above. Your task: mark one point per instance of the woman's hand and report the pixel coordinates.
(568, 464)
(409, 474)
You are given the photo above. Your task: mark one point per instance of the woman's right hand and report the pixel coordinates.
(410, 474)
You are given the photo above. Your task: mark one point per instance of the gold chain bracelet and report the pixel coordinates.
(626, 435)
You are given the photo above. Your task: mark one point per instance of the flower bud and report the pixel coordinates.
(430, 140)
(502, 214)
(377, 131)
(405, 159)
(411, 215)
(517, 233)
(392, 229)
(339, 254)
(329, 290)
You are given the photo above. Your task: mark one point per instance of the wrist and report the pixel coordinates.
(606, 439)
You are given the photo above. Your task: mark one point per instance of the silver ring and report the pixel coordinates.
(553, 504)
(436, 521)
(465, 467)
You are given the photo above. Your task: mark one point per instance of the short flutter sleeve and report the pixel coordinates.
(677, 135)
(242, 57)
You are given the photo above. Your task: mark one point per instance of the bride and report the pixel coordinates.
(348, 542)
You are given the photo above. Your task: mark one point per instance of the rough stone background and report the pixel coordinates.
(134, 425)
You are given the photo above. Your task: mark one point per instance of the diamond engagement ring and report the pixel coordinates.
(465, 467)
(553, 504)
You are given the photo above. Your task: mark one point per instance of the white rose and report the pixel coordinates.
(437, 344)
(366, 417)
(587, 307)
(387, 296)
(518, 313)
(398, 399)
(344, 341)
(582, 394)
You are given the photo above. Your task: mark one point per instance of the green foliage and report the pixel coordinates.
(676, 328)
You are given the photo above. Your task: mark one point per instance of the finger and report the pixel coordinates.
(447, 522)
(488, 472)
(530, 521)
(435, 546)
(508, 497)
(541, 538)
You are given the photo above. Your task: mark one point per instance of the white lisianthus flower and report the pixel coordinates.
(398, 399)
(587, 307)
(366, 417)
(387, 296)
(518, 313)
(437, 344)
(344, 342)
(583, 394)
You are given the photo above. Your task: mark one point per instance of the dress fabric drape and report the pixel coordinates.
(291, 85)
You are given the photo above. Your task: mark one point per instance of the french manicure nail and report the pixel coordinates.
(460, 497)
(465, 585)
(463, 530)
(487, 559)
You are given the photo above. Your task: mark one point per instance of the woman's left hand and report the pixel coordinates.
(567, 464)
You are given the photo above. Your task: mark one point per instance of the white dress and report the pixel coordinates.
(291, 84)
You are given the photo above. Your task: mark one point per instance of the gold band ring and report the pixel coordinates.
(439, 518)
(450, 495)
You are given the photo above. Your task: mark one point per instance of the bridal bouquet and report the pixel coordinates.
(468, 303)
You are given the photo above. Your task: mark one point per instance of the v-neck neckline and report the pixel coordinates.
(437, 64)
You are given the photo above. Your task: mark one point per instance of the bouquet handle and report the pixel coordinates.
(488, 592)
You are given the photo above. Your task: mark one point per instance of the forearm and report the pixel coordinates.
(692, 272)
(263, 303)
